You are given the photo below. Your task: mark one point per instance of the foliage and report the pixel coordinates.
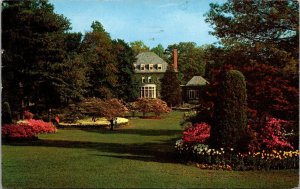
(199, 133)
(160, 51)
(170, 87)
(138, 47)
(127, 88)
(270, 137)
(36, 46)
(6, 113)
(17, 132)
(230, 119)
(155, 105)
(265, 31)
(269, 93)
(97, 50)
(191, 60)
(26, 130)
(102, 108)
(27, 114)
(260, 39)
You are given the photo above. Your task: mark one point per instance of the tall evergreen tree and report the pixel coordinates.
(170, 87)
(33, 41)
(127, 88)
(230, 119)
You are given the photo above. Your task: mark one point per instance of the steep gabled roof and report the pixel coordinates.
(150, 58)
(197, 81)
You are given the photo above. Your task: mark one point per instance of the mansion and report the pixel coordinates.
(149, 70)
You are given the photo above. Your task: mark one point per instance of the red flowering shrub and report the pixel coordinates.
(28, 115)
(199, 133)
(26, 130)
(155, 105)
(40, 126)
(17, 132)
(270, 137)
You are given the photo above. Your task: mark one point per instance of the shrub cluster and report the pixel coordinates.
(147, 105)
(269, 149)
(26, 130)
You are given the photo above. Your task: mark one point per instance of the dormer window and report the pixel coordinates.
(142, 66)
(150, 67)
(159, 67)
(149, 79)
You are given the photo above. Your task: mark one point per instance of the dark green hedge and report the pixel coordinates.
(230, 118)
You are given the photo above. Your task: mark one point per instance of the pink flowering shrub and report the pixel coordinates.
(17, 132)
(40, 126)
(26, 130)
(28, 115)
(270, 137)
(199, 133)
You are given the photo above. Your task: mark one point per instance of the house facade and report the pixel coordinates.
(149, 70)
(191, 92)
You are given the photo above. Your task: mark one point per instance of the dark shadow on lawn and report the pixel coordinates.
(142, 132)
(156, 152)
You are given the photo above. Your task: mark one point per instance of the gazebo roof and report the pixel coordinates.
(197, 81)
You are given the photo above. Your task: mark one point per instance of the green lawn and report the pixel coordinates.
(136, 156)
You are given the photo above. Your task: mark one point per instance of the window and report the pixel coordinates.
(149, 79)
(142, 66)
(148, 91)
(159, 67)
(193, 94)
(143, 80)
(151, 67)
(135, 66)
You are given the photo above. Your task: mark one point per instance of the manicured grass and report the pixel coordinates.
(140, 155)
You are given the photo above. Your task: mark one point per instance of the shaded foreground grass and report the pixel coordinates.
(138, 156)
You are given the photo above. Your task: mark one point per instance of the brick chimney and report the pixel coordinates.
(175, 57)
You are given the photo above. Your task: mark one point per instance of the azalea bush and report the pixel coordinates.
(27, 129)
(27, 114)
(270, 137)
(199, 133)
(17, 132)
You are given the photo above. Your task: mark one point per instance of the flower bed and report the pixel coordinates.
(227, 159)
(268, 149)
(89, 122)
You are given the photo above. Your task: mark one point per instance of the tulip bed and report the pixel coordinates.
(229, 159)
(87, 122)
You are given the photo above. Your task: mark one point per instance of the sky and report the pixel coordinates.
(154, 22)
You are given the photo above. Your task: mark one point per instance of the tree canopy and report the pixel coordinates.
(259, 38)
(34, 47)
(191, 60)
